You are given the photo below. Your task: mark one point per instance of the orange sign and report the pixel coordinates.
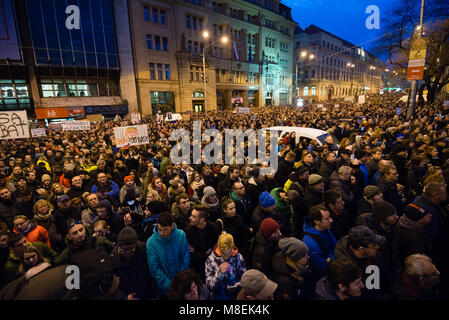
(51, 113)
(415, 73)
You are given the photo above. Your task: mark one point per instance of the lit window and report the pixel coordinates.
(306, 91)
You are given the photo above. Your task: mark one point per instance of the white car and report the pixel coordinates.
(303, 132)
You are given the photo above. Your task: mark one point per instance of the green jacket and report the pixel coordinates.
(284, 209)
(89, 243)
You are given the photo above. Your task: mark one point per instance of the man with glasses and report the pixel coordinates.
(418, 280)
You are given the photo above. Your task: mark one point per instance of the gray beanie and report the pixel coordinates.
(294, 248)
(127, 236)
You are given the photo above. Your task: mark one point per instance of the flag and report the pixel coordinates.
(235, 52)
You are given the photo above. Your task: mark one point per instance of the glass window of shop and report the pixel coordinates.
(163, 101)
(14, 95)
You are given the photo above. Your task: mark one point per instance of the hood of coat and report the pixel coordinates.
(168, 239)
(324, 290)
(408, 224)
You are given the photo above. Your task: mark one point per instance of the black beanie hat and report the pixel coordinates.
(382, 209)
(127, 236)
(414, 212)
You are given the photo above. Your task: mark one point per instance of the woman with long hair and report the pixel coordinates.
(187, 285)
(159, 187)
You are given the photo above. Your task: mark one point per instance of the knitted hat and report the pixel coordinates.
(268, 226)
(63, 198)
(156, 207)
(128, 178)
(266, 200)
(127, 236)
(256, 283)
(370, 191)
(414, 212)
(295, 249)
(225, 241)
(382, 209)
(315, 179)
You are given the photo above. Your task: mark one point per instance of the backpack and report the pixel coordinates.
(318, 240)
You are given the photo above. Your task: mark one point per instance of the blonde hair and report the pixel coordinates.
(42, 202)
(225, 241)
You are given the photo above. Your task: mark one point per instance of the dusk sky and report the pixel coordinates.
(344, 18)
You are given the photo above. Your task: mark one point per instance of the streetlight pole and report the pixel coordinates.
(351, 65)
(414, 87)
(223, 39)
(302, 55)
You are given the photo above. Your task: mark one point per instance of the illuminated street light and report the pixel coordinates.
(224, 40)
(303, 54)
(312, 56)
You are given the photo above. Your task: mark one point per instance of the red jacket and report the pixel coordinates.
(38, 234)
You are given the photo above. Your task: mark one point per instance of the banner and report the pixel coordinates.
(243, 110)
(135, 117)
(14, 125)
(398, 111)
(94, 117)
(75, 125)
(38, 132)
(131, 135)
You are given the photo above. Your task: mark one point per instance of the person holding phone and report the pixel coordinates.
(224, 269)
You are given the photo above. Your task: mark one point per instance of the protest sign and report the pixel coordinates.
(131, 135)
(38, 132)
(75, 125)
(243, 110)
(14, 125)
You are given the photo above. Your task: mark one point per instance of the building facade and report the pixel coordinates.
(328, 67)
(251, 69)
(66, 70)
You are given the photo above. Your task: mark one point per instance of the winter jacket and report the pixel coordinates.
(317, 256)
(243, 207)
(364, 206)
(91, 242)
(182, 220)
(285, 210)
(342, 222)
(262, 255)
(167, 256)
(125, 189)
(326, 170)
(410, 238)
(89, 217)
(390, 193)
(312, 198)
(134, 276)
(259, 215)
(405, 288)
(8, 210)
(218, 282)
(36, 233)
(112, 189)
(201, 240)
(337, 183)
(291, 284)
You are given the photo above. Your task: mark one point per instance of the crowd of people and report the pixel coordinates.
(363, 216)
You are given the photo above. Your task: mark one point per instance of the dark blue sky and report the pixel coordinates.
(344, 18)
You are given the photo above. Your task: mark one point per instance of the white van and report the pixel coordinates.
(303, 132)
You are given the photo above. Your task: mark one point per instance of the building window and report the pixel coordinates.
(189, 45)
(167, 72)
(165, 44)
(194, 19)
(163, 101)
(162, 15)
(152, 72)
(146, 13)
(188, 22)
(149, 41)
(313, 91)
(157, 41)
(155, 15)
(200, 24)
(306, 91)
(159, 72)
(195, 47)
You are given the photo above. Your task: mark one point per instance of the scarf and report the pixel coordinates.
(298, 271)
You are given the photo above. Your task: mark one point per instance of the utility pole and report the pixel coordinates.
(414, 86)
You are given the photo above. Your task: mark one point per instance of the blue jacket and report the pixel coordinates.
(167, 256)
(114, 191)
(317, 256)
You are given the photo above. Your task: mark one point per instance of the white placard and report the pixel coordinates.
(361, 99)
(75, 125)
(38, 132)
(131, 135)
(173, 117)
(446, 103)
(135, 117)
(349, 99)
(336, 106)
(14, 125)
(319, 106)
(243, 110)
(398, 110)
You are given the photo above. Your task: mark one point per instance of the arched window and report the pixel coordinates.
(198, 94)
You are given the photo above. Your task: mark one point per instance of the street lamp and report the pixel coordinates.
(303, 55)
(372, 68)
(224, 40)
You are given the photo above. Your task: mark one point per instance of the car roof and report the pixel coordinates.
(302, 131)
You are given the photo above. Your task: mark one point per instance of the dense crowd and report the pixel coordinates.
(363, 216)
